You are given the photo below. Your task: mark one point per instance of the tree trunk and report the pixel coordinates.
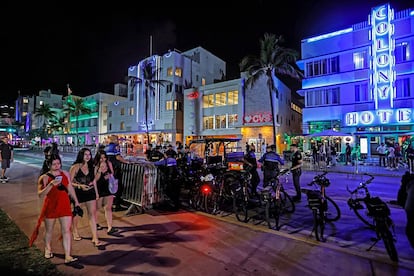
(273, 115)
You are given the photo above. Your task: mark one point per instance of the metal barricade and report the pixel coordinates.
(142, 185)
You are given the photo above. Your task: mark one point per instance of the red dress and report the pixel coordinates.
(55, 205)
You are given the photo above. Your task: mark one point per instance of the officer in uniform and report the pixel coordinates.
(168, 166)
(156, 154)
(270, 164)
(296, 170)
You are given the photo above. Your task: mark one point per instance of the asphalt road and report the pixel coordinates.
(195, 243)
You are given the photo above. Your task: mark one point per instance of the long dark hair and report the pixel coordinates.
(48, 162)
(97, 157)
(79, 158)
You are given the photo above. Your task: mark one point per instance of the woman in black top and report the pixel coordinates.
(103, 170)
(82, 175)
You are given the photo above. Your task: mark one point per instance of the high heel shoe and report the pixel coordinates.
(76, 237)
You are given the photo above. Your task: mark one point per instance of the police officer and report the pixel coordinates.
(168, 166)
(296, 170)
(270, 164)
(156, 154)
(171, 152)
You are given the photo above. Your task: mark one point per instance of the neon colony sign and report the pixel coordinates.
(383, 75)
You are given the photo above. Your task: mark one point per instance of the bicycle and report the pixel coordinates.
(278, 201)
(375, 213)
(324, 209)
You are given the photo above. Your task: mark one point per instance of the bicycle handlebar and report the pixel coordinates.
(317, 179)
(362, 185)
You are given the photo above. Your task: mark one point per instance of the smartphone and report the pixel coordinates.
(59, 178)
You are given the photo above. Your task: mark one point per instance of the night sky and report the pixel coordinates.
(91, 46)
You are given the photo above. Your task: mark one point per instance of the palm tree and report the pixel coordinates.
(274, 60)
(76, 106)
(57, 124)
(45, 111)
(149, 80)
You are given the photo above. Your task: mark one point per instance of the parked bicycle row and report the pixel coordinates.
(215, 189)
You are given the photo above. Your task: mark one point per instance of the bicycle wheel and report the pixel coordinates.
(318, 224)
(286, 203)
(240, 207)
(195, 199)
(361, 211)
(272, 213)
(332, 213)
(388, 240)
(208, 203)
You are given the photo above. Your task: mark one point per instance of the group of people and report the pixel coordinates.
(324, 153)
(391, 155)
(271, 163)
(167, 160)
(67, 193)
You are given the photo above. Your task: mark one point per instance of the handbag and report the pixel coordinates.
(112, 184)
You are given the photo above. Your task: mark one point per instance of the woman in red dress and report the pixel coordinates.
(55, 187)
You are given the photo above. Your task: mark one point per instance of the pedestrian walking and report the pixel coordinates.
(82, 175)
(48, 152)
(409, 155)
(6, 157)
(56, 188)
(348, 152)
(391, 158)
(382, 150)
(315, 154)
(263, 148)
(333, 156)
(103, 170)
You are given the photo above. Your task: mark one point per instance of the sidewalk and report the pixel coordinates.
(195, 243)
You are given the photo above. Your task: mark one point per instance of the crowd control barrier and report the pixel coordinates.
(142, 186)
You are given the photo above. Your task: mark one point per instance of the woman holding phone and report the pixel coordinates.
(55, 187)
(82, 175)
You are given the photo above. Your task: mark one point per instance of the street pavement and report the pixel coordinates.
(158, 242)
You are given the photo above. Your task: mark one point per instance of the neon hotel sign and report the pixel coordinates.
(383, 75)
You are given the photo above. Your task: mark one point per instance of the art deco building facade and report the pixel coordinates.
(360, 80)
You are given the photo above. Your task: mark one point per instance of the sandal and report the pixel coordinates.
(77, 237)
(71, 260)
(98, 227)
(97, 243)
(112, 231)
(48, 254)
